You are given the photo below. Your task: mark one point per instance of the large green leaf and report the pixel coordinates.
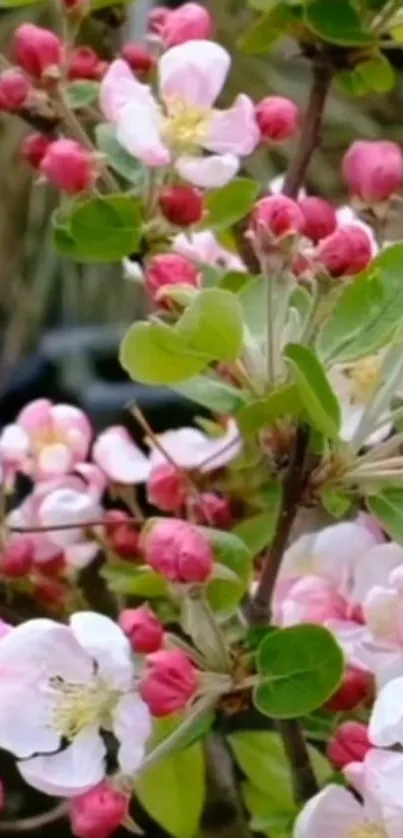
(267, 818)
(256, 415)
(367, 312)
(129, 580)
(100, 229)
(118, 158)
(231, 552)
(253, 299)
(263, 34)
(338, 22)
(213, 325)
(257, 532)
(314, 389)
(301, 667)
(229, 204)
(387, 507)
(213, 394)
(155, 353)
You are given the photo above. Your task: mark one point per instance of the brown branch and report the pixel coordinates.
(304, 782)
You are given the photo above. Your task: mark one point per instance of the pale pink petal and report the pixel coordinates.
(132, 727)
(119, 88)
(118, 456)
(235, 130)
(14, 444)
(107, 645)
(333, 813)
(42, 648)
(381, 609)
(65, 507)
(53, 460)
(210, 172)
(25, 733)
(194, 72)
(373, 568)
(203, 247)
(80, 555)
(371, 524)
(94, 477)
(35, 416)
(383, 777)
(138, 131)
(71, 772)
(220, 452)
(386, 722)
(75, 428)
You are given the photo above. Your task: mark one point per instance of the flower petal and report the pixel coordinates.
(45, 649)
(138, 131)
(53, 460)
(35, 416)
(208, 172)
(132, 726)
(191, 448)
(14, 444)
(119, 88)
(107, 645)
(194, 72)
(386, 722)
(203, 247)
(235, 130)
(71, 772)
(75, 426)
(25, 717)
(66, 507)
(373, 568)
(331, 813)
(118, 456)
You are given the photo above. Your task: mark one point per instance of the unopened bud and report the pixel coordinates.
(123, 536)
(277, 118)
(213, 510)
(139, 59)
(178, 551)
(143, 629)
(373, 171)
(169, 683)
(190, 22)
(181, 205)
(345, 252)
(84, 63)
(275, 219)
(36, 49)
(34, 148)
(69, 166)
(356, 688)
(166, 488)
(169, 269)
(98, 812)
(320, 218)
(349, 743)
(17, 557)
(157, 18)
(14, 90)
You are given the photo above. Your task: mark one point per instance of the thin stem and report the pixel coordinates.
(270, 343)
(80, 134)
(385, 15)
(153, 437)
(304, 782)
(173, 741)
(37, 821)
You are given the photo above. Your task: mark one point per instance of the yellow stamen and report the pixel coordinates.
(78, 706)
(364, 376)
(185, 126)
(367, 830)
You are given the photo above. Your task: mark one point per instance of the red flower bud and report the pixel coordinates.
(181, 205)
(350, 743)
(320, 218)
(123, 536)
(69, 166)
(178, 551)
(17, 557)
(139, 58)
(276, 217)
(37, 50)
(214, 511)
(191, 22)
(84, 63)
(166, 488)
(277, 118)
(98, 812)
(373, 171)
(169, 269)
(345, 252)
(14, 90)
(157, 18)
(143, 629)
(51, 593)
(170, 681)
(33, 149)
(53, 567)
(356, 688)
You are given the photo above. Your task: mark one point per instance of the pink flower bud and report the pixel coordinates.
(191, 22)
(373, 171)
(320, 218)
(356, 688)
(170, 681)
(123, 536)
(37, 50)
(345, 252)
(181, 205)
(139, 59)
(276, 217)
(76, 7)
(157, 18)
(14, 90)
(178, 551)
(166, 488)
(350, 743)
(169, 269)
(17, 557)
(84, 63)
(143, 629)
(98, 812)
(34, 147)
(277, 118)
(69, 166)
(53, 567)
(213, 510)
(51, 593)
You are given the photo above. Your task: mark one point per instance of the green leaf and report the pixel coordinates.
(263, 34)
(267, 818)
(337, 22)
(387, 507)
(314, 389)
(102, 229)
(301, 667)
(14, 4)
(367, 312)
(213, 394)
(335, 503)
(229, 550)
(155, 353)
(172, 791)
(231, 203)
(79, 94)
(256, 415)
(124, 578)
(234, 281)
(257, 532)
(118, 158)
(213, 325)
(373, 76)
(252, 298)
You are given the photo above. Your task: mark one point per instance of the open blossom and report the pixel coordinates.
(119, 458)
(203, 248)
(177, 128)
(47, 440)
(72, 682)
(191, 448)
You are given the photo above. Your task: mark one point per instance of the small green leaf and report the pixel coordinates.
(388, 509)
(314, 389)
(252, 298)
(335, 503)
(118, 158)
(267, 818)
(155, 353)
(301, 667)
(263, 34)
(337, 22)
(229, 550)
(262, 412)
(213, 394)
(373, 76)
(213, 325)
(79, 94)
(234, 281)
(229, 204)
(124, 578)
(257, 532)
(101, 229)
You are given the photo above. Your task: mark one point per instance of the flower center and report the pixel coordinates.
(364, 376)
(77, 706)
(48, 435)
(185, 126)
(366, 830)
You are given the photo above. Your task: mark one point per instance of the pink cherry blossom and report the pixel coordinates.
(47, 440)
(120, 458)
(182, 123)
(203, 248)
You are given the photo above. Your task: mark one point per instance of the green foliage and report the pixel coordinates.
(231, 552)
(376, 75)
(79, 94)
(335, 503)
(118, 158)
(100, 229)
(314, 389)
(256, 415)
(387, 507)
(301, 667)
(265, 32)
(213, 394)
(213, 325)
(337, 22)
(257, 532)
(124, 578)
(231, 203)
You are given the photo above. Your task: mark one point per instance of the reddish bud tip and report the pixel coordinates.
(277, 118)
(98, 812)
(36, 50)
(181, 205)
(275, 218)
(169, 269)
(14, 90)
(373, 171)
(17, 557)
(350, 743)
(320, 218)
(123, 537)
(178, 551)
(53, 567)
(356, 688)
(191, 22)
(33, 149)
(213, 510)
(170, 681)
(51, 593)
(143, 629)
(345, 252)
(166, 488)
(139, 58)
(84, 63)
(69, 166)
